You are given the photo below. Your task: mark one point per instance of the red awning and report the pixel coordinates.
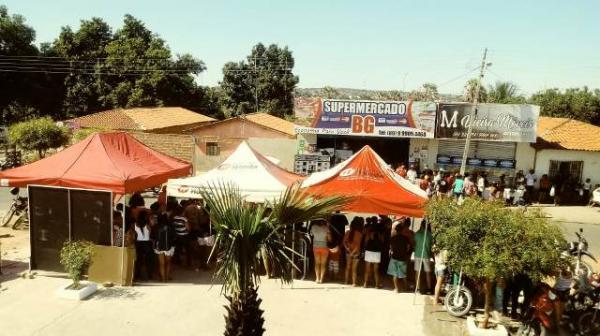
(106, 161)
(374, 187)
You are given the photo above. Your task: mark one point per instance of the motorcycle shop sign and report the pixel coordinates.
(492, 122)
(399, 119)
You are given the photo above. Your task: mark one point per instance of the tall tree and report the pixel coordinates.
(264, 81)
(504, 93)
(83, 49)
(577, 103)
(19, 87)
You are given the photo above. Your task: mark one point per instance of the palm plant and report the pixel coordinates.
(242, 229)
(504, 93)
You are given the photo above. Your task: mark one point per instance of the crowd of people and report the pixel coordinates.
(378, 246)
(518, 190)
(166, 233)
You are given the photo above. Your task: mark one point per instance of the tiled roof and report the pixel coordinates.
(273, 122)
(567, 133)
(176, 145)
(141, 119)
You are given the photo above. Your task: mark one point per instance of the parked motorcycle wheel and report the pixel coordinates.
(584, 268)
(9, 215)
(527, 330)
(589, 323)
(458, 301)
(21, 222)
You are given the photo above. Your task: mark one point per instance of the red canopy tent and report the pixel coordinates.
(373, 186)
(114, 162)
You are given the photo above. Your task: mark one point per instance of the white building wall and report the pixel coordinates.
(525, 157)
(591, 162)
(425, 150)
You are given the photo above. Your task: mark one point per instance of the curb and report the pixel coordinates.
(437, 322)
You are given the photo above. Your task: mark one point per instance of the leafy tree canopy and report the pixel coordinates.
(577, 103)
(38, 135)
(264, 81)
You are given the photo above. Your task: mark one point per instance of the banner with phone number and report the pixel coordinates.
(400, 119)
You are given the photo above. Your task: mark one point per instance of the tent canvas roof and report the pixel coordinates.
(257, 177)
(107, 161)
(373, 186)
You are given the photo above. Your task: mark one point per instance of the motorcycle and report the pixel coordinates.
(19, 211)
(588, 321)
(459, 298)
(540, 319)
(577, 250)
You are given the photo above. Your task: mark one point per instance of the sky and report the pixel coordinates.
(366, 44)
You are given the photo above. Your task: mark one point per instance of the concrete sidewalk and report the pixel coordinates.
(30, 307)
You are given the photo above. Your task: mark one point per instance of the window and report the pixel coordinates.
(571, 170)
(212, 149)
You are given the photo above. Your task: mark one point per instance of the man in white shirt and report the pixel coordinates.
(481, 184)
(530, 180)
(411, 175)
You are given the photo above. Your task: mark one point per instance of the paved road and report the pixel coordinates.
(571, 219)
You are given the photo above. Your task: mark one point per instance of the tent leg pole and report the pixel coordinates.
(123, 275)
(418, 280)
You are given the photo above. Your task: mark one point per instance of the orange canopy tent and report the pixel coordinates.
(114, 162)
(373, 186)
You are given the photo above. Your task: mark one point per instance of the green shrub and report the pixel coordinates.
(76, 257)
(488, 241)
(38, 135)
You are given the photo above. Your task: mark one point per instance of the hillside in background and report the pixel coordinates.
(347, 93)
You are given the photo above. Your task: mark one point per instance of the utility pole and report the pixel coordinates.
(472, 115)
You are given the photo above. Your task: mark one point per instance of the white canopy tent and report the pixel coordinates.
(257, 177)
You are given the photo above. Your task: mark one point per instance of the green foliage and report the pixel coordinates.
(266, 76)
(38, 134)
(486, 240)
(504, 93)
(244, 229)
(576, 103)
(76, 257)
(83, 133)
(427, 92)
(470, 91)
(244, 316)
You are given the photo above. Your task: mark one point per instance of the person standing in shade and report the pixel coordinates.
(319, 233)
(143, 247)
(352, 242)
(411, 174)
(587, 188)
(544, 190)
(401, 170)
(164, 246)
(423, 243)
(182, 230)
(530, 180)
(373, 248)
(400, 253)
(458, 186)
(481, 184)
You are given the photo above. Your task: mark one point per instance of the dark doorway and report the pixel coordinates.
(392, 150)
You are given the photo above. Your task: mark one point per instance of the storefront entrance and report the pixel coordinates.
(393, 151)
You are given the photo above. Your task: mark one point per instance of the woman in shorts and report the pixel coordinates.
(352, 242)
(164, 246)
(320, 232)
(373, 247)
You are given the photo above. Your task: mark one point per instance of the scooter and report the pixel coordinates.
(540, 319)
